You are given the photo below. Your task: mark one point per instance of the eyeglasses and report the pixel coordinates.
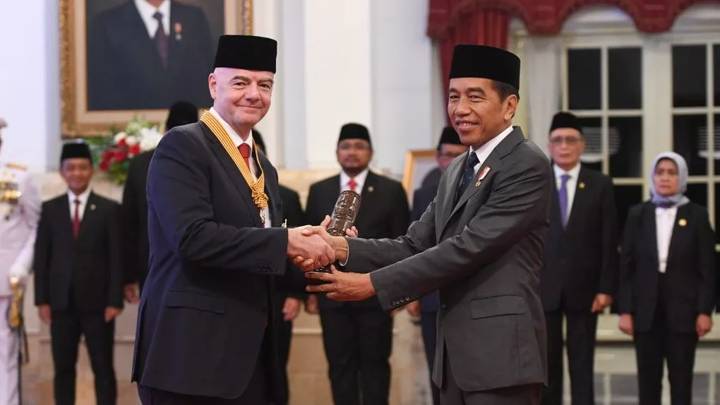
(569, 140)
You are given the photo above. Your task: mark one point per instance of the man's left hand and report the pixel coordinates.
(291, 308)
(342, 286)
(600, 302)
(111, 313)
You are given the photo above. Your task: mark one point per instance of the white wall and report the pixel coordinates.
(347, 60)
(29, 83)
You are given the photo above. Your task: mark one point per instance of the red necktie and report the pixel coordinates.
(245, 152)
(76, 219)
(352, 184)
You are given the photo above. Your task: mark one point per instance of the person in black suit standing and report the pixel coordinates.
(480, 243)
(134, 206)
(667, 282)
(290, 291)
(206, 330)
(579, 276)
(147, 54)
(358, 336)
(78, 277)
(448, 148)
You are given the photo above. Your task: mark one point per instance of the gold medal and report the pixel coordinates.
(257, 187)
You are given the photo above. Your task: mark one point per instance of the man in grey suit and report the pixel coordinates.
(480, 242)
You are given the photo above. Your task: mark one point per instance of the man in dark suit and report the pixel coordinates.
(358, 335)
(290, 292)
(448, 148)
(147, 54)
(134, 206)
(206, 332)
(480, 242)
(78, 276)
(579, 277)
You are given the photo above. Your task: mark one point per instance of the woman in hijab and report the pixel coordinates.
(667, 281)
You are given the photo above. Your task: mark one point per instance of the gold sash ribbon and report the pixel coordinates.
(257, 187)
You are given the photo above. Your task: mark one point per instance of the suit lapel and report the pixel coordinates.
(680, 216)
(580, 198)
(231, 170)
(65, 217)
(486, 170)
(138, 35)
(88, 214)
(651, 237)
(271, 189)
(446, 189)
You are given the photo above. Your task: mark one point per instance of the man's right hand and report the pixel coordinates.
(44, 313)
(626, 324)
(131, 293)
(413, 308)
(311, 247)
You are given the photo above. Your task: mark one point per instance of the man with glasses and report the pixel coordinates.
(358, 335)
(579, 276)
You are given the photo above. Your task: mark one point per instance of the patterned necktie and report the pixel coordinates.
(352, 184)
(467, 175)
(76, 219)
(563, 198)
(161, 39)
(245, 152)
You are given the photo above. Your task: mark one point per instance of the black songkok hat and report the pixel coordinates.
(449, 136)
(246, 52)
(354, 131)
(72, 150)
(486, 62)
(181, 113)
(565, 120)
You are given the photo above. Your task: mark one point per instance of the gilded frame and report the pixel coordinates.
(418, 162)
(76, 119)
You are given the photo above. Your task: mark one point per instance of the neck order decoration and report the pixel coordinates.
(257, 187)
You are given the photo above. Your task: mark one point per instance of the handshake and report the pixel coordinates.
(312, 247)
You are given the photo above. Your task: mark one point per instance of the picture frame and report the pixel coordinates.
(90, 110)
(418, 163)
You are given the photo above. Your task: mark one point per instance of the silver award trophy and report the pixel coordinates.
(343, 216)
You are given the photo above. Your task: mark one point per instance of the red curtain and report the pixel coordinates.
(472, 24)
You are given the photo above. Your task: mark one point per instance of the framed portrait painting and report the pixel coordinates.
(418, 163)
(126, 58)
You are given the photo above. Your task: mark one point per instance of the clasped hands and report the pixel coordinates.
(312, 247)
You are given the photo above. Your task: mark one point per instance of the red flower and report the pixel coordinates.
(134, 150)
(119, 155)
(121, 143)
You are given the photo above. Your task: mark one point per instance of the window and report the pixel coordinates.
(604, 89)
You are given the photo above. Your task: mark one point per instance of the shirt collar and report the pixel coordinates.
(83, 197)
(484, 151)
(236, 139)
(359, 179)
(146, 13)
(574, 172)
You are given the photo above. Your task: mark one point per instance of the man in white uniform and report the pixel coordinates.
(19, 213)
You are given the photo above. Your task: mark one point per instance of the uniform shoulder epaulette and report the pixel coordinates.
(16, 166)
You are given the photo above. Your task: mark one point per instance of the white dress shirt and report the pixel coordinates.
(664, 222)
(486, 149)
(82, 197)
(146, 13)
(571, 183)
(359, 180)
(237, 140)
